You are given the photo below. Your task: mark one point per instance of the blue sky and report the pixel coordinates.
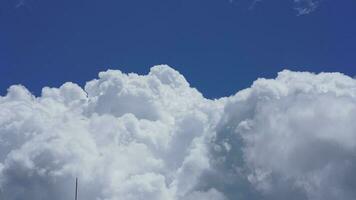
(219, 46)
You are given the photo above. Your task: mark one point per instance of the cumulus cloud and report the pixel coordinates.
(295, 137)
(130, 136)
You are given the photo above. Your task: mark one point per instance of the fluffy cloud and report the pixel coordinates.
(129, 136)
(295, 136)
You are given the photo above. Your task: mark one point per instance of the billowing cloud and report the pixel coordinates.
(292, 137)
(130, 136)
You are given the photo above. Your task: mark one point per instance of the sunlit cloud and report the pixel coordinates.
(153, 136)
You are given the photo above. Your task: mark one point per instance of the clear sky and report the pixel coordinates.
(220, 46)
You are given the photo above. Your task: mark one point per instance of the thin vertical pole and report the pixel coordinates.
(76, 188)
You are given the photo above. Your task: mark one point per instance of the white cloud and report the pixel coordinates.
(304, 7)
(296, 135)
(129, 136)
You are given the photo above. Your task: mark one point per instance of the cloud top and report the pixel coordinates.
(130, 136)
